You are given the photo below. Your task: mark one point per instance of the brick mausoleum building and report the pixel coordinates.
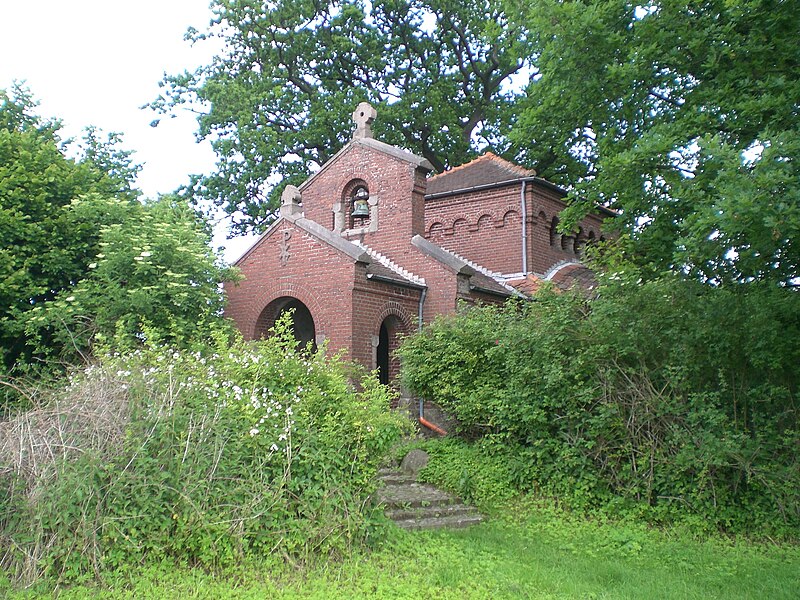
(370, 246)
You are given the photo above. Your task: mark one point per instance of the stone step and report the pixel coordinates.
(413, 505)
(396, 477)
(450, 522)
(414, 495)
(425, 512)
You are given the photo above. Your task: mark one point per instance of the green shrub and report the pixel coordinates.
(667, 398)
(197, 457)
(479, 473)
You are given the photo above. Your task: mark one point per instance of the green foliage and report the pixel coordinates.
(44, 248)
(82, 260)
(476, 472)
(665, 397)
(681, 115)
(154, 274)
(279, 100)
(533, 553)
(197, 458)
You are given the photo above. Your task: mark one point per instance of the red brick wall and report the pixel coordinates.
(315, 274)
(373, 303)
(485, 226)
(400, 188)
(394, 182)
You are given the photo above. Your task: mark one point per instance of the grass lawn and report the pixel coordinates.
(542, 554)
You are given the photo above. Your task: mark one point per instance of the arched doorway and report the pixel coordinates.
(387, 364)
(302, 324)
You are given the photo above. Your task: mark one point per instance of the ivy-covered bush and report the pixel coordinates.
(668, 397)
(200, 457)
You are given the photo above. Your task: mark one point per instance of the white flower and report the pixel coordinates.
(253, 432)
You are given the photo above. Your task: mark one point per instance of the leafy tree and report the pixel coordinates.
(154, 274)
(42, 250)
(81, 258)
(683, 116)
(277, 103)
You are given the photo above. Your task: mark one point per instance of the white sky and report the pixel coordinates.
(95, 62)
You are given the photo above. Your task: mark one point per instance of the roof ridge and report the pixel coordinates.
(389, 263)
(491, 157)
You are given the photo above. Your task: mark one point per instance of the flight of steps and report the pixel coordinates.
(413, 505)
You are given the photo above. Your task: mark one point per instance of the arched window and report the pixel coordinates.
(357, 210)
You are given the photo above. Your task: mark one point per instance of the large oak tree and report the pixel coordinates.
(276, 104)
(684, 116)
(681, 115)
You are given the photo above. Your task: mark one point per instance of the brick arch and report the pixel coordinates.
(553, 271)
(509, 217)
(345, 204)
(288, 289)
(351, 185)
(398, 310)
(435, 231)
(460, 223)
(485, 220)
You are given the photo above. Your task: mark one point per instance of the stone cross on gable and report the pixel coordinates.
(363, 117)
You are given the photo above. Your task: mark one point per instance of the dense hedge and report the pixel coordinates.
(196, 457)
(669, 398)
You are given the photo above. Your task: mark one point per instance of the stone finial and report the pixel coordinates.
(291, 202)
(363, 116)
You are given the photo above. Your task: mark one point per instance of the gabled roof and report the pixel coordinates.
(374, 144)
(378, 266)
(484, 170)
(316, 230)
(480, 278)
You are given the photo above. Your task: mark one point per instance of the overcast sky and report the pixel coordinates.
(95, 62)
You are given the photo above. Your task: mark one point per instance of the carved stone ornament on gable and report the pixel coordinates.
(291, 202)
(284, 246)
(363, 116)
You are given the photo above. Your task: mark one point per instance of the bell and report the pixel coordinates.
(360, 205)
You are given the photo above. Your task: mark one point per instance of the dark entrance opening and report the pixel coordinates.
(383, 354)
(302, 324)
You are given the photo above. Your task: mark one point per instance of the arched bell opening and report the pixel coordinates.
(388, 340)
(302, 323)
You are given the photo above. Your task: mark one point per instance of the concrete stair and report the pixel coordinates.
(413, 505)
